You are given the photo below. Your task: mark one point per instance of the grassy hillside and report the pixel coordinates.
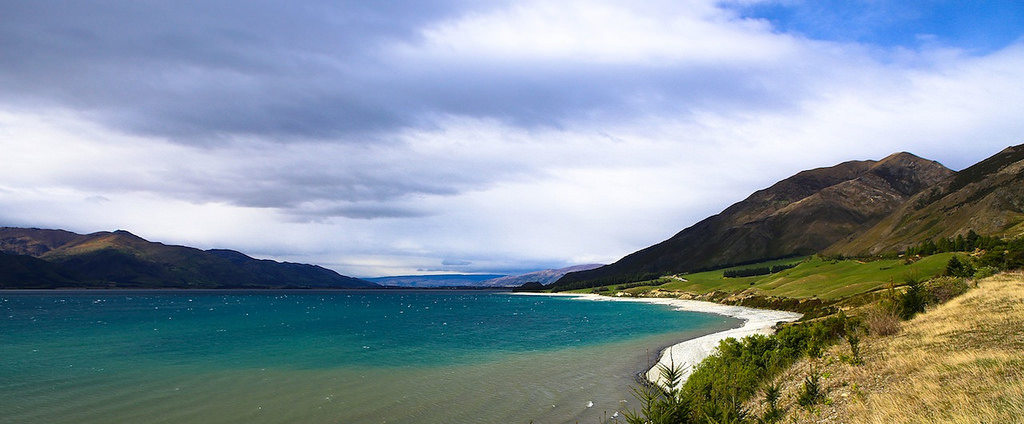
(811, 277)
(960, 362)
(835, 279)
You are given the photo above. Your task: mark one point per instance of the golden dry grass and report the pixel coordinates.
(961, 362)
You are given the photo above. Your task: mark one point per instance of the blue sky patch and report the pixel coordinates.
(977, 26)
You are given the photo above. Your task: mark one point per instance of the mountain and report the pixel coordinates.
(40, 258)
(800, 215)
(987, 197)
(435, 280)
(26, 271)
(545, 277)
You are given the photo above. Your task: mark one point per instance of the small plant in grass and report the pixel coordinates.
(853, 339)
(811, 393)
(660, 403)
(772, 413)
(853, 336)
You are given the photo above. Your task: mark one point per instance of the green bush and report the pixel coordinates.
(853, 339)
(957, 267)
(660, 404)
(985, 272)
(772, 413)
(811, 393)
(912, 301)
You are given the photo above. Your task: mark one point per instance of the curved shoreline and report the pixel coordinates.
(689, 353)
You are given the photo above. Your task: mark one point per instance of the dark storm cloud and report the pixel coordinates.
(199, 72)
(187, 69)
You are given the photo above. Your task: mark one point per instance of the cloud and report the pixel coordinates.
(354, 74)
(380, 138)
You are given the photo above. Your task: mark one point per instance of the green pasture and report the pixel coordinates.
(813, 277)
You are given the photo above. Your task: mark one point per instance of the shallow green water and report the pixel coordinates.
(326, 357)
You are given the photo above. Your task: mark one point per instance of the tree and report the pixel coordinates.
(912, 301)
(959, 268)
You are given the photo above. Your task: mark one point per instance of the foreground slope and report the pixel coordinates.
(987, 198)
(800, 215)
(960, 362)
(40, 258)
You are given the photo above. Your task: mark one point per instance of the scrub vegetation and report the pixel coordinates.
(890, 344)
(958, 362)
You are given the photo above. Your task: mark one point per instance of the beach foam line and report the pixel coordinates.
(687, 354)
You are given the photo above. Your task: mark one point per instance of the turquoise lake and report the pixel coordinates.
(376, 356)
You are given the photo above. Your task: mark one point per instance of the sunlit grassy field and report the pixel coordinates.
(817, 277)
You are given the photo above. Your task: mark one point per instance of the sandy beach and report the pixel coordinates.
(688, 353)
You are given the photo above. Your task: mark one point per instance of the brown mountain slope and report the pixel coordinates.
(800, 215)
(987, 197)
(34, 242)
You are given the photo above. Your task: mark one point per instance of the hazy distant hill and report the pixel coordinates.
(987, 198)
(801, 215)
(546, 276)
(435, 280)
(39, 258)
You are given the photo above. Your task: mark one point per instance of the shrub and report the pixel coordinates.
(720, 384)
(985, 272)
(811, 393)
(882, 319)
(772, 413)
(912, 300)
(660, 404)
(854, 340)
(942, 289)
(959, 268)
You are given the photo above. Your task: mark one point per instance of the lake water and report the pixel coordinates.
(378, 356)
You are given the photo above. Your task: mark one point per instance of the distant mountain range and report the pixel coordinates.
(40, 258)
(547, 276)
(435, 280)
(854, 208)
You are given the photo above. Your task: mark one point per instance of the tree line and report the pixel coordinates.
(750, 272)
(1003, 254)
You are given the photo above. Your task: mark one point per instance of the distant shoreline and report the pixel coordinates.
(689, 353)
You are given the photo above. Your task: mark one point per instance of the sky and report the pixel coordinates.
(399, 137)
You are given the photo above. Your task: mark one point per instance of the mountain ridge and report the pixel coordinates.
(987, 197)
(546, 276)
(800, 215)
(120, 259)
